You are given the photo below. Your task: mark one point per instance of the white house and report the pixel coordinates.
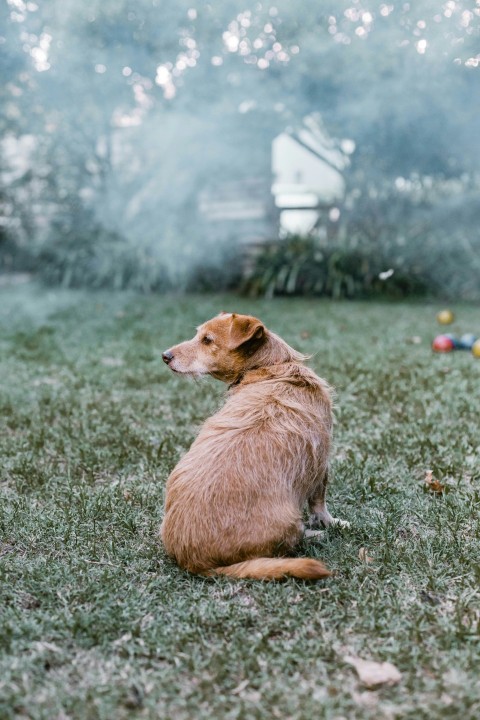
(306, 181)
(307, 169)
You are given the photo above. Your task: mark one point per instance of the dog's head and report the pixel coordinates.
(221, 347)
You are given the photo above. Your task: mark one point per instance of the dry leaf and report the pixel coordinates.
(373, 674)
(362, 554)
(127, 495)
(304, 334)
(432, 483)
(241, 687)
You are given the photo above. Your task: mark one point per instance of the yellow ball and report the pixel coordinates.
(445, 317)
(476, 349)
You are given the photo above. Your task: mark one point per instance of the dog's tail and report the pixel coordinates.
(275, 569)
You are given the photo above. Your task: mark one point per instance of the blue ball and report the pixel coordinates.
(455, 341)
(467, 340)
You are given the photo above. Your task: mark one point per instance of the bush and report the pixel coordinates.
(410, 237)
(302, 266)
(83, 254)
(222, 272)
(13, 257)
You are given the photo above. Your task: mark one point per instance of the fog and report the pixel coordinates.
(144, 140)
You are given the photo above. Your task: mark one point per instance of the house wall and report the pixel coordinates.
(293, 164)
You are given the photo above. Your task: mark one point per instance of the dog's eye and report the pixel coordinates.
(207, 340)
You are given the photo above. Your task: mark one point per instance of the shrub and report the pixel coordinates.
(410, 237)
(221, 272)
(84, 254)
(302, 266)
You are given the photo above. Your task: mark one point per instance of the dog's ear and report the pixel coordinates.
(246, 331)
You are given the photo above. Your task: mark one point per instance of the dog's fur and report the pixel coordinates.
(235, 500)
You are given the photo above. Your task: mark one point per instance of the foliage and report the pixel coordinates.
(301, 266)
(133, 108)
(98, 623)
(222, 272)
(13, 257)
(79, 252)
(415, 236)
(84, 254)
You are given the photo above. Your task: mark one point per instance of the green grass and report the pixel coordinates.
(96, 622)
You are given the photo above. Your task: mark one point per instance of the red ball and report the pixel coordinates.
(442, 343)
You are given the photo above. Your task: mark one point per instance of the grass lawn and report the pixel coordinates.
(96, 622)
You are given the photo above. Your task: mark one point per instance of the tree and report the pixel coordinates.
(134, 105)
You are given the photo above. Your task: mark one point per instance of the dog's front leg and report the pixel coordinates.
(318, 507)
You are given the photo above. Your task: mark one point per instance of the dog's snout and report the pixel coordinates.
(167, 356)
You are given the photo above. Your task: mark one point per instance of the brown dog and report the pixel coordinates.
(236, 498)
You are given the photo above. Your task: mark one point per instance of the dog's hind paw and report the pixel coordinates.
(324, 518)
(338, 522)
(314, 534)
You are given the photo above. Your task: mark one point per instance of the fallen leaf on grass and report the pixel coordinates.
(304, 334)
(433, 484)
(241, 687)
(362, 554)
(373, 674)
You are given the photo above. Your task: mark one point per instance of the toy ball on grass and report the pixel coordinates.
(445, 317)
(457, 345)
(467, 341)
(476, 349)
(443, 343)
